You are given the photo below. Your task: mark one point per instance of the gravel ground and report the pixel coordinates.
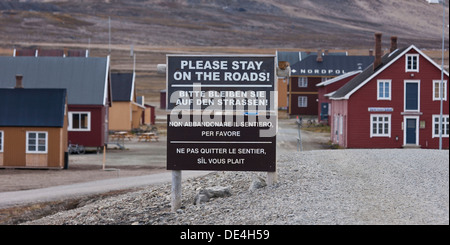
(396, 186)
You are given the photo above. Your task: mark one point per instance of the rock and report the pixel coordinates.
(201, 198)
(257, 183)
(218, 191)
(211, 192)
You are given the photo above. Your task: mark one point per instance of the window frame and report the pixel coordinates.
(304, 99)
(302, 82)
(37, 151)
(2, 140)
(70, 121)
(446, 121)
(384, 82)
(439, 86)
(407, 61)
(389, 122)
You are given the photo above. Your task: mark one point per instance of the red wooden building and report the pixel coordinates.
(327, 89)
(394, 103)
(315, 69)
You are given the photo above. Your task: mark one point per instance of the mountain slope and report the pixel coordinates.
(263, 23)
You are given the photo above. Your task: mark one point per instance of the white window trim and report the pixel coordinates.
(302, 82)
(2, 140)
(433, 125)
(378, 89)
(418, 95)
(417, 63)
(372, 135)
(79, 129)
(37, 139)
(303, 105)
(444, 91)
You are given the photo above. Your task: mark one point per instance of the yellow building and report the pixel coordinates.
(125, 113)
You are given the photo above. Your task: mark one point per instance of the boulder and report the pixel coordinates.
(257, 183)
(205, 194)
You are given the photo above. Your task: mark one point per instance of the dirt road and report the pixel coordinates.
(141, 163)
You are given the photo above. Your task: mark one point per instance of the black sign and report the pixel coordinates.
(232, 143)
(220, 82)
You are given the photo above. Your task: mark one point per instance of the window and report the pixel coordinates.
(302, 82)
(445, 125)
(412, 95)
(437, 90)
(412, 63)
(384, 89)
(302, 101)
(380, 125)
(37, 142)
(80, 121)
(1, 141)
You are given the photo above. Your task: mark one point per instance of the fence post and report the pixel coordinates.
(176, 190)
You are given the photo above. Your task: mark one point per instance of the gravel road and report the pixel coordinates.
(395, 186)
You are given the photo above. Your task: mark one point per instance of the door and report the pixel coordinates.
(411, 131)
(324, 111)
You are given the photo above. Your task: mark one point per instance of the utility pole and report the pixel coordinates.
(441, 92)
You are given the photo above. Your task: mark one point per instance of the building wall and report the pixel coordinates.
(120, 116)
(14, 154)
(339, 109)
(311, 92)
(283, 93)
(136, 117)
(323, 90)
(311, 108)
(97, 135)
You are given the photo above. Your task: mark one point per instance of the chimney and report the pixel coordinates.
(319, 55)
(377, 61)
(19, 81)
(393, 44)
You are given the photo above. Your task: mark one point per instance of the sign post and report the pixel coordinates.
(223, 115)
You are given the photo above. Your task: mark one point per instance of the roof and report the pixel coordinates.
(291, 57)
(338, 78)
(357, 82)
(122, 86)
(296, 56)
(332, 65)
(32, 107)
(86, 79)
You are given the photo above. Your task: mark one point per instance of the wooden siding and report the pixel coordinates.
(120, 116)
(311, 108)
(36, 160)
(97, 136)
(15, 147)
(323, 90)
(136, 116)
(282, 93)
(339, 108)
(311, 91)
